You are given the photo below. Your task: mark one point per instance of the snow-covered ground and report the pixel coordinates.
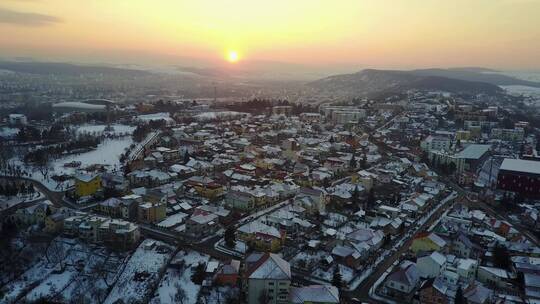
(221, 115)
(107, 153)
(141, 272)
(55, 275)
(6, 202)
(8, 132)
(179, 280)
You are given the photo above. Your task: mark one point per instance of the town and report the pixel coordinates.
(423, 197)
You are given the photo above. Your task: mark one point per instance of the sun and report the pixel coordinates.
(232, 56)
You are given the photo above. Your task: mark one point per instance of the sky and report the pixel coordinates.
(380, 33)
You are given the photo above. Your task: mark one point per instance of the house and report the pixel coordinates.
(314, 294)
(205, 186)
(431, 265)
(268, 279)
(54, 223)
(34, 214)
(430, 294)
(110, 207)
(404, 280)
(202, 223)
(119, 234)
(492, 276)
(463, 247)
(427, 242)
(261, 236)
(87, 185)
(240, 200)
(228, 274)
(152, 212)
(477, 294)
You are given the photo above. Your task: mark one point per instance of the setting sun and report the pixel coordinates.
(232, 56)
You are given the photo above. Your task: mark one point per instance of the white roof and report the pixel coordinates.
(274, 268)
(520, 165)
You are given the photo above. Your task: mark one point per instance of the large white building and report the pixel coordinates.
(436, 143)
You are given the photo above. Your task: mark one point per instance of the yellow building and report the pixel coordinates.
(205, 187)
(427, 242)
(261, 237)
(152, 212)
(54, 223)
(87, 185)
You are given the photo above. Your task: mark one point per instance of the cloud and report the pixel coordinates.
(26, 19)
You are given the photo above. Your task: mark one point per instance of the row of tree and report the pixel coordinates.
(14, 189)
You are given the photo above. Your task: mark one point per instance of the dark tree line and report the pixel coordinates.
(14, 189)
(43, 155)
(143, 130)
(56, 132)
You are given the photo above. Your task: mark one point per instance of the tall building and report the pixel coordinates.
(520, 176)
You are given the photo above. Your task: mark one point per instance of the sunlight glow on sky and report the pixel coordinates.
(383, 33)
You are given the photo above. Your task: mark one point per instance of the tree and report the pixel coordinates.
(186, 157)
(199, 274)
(355, 196)
(337, 280)
(352, 163)
(230, 237)
(501, 257)
(459, 299)
(363, 162)
(371, 198)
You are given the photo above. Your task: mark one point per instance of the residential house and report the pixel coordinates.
(431, 265)
(268, 279)
(228, 273)
(404, 280)
(427, 242)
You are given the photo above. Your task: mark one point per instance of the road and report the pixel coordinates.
(362, 291)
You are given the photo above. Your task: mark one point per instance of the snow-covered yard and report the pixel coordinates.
(177, 281)
(141, 272)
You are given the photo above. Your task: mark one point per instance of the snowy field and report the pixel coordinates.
(107, 153)
(177, 282)
(141, 272)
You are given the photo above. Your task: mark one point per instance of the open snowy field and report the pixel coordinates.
(141, 272)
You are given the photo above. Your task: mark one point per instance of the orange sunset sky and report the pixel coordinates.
(378, 33)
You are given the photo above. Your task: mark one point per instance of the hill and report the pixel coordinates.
(66, 69)
(369, 82)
